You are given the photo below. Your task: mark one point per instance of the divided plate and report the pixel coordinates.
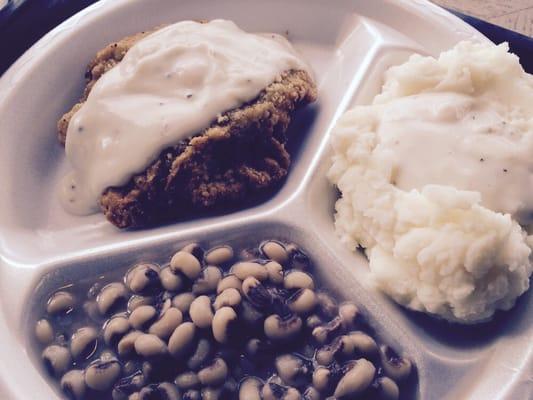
(349, 44)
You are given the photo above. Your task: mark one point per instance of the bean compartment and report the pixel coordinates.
(214, 323)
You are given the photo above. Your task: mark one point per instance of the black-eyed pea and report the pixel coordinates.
(224, 324)
(200, 355)
(44, 332)
(114, 329)
(163, 391)
(111, 298)
(57, 359)
(274, 250)
(201, 313)
(182, 339)
(295, 279)
(169, 391)
(187, 380)
(142, 317)
(228, 298)
(395, 367)
(219, 255)
(143, 278)
(281, 329)
(167, 323)
(274, 389)
(133, 381)
(321, 379)
(326, 354)
(195, 249)
(183, 301)
(126, 345)
(303, 301)
(148, 345)
(293, 370)
(229, 281)
(323, 333)
(73, 384)
(245, 269)
(250, 389)
(347, 348)
(361, 343)
(186, 264)
(386, 389)
(358, 377)
(348, 313)
(101, 374)
(313, 321)
(83, 342)
(214, 374)
(137, 301)
(60, 302)
(207, 281)
(275, 272)
(171, 281)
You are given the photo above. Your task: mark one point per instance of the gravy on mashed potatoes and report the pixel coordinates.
(436, 176)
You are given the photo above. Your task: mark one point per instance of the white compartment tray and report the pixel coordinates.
(349, 43)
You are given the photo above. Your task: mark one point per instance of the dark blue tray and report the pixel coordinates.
(23, 22)
(519, 44)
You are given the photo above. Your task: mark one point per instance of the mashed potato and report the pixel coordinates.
(434, 177)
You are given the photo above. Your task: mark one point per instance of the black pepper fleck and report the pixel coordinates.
(189, 96)
(505, 170)
(481, 159)
(80, 128)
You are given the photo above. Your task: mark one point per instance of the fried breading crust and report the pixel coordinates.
(240, 154)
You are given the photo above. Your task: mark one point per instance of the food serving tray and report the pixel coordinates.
(349, 45)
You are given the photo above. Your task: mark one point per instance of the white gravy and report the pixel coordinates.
(458, 140)
(169, 86)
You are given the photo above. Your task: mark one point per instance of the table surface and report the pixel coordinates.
(516, 15)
